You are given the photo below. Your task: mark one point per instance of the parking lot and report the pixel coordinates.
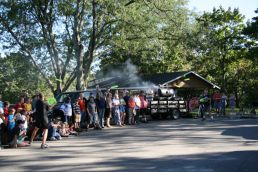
(184, 145)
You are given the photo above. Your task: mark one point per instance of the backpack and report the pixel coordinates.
(131, 103)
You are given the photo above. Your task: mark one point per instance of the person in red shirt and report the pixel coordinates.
(82, 106)
(217, 101)
(143, 107)
(20, 104)
(6, 110)
(4, 127)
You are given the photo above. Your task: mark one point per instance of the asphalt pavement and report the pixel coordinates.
(184, 145)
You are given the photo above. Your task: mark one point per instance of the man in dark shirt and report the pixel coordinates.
(41, 120)
(126, 99)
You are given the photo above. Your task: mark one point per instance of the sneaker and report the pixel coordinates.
(44, 146)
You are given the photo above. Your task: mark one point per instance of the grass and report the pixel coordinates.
(194, 113)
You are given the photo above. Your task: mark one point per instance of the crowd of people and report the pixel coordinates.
(98, 111)
(218, 101)
(32, 118)
(29, 119)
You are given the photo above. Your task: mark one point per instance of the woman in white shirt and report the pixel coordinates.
(116, 104)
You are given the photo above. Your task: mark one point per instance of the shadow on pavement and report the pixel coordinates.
(245, 132)
(219, 162)
(78, 154)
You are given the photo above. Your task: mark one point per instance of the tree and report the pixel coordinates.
(59, 38)
(17, 74)
(219, 43)
(251, 32)
(153, 38)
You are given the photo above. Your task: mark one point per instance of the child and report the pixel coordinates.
(11, 129)
(28, 108)
(63, 130)
(54, 125)
(67, 109)
(6, 111)
(21, 127)
(77, 112)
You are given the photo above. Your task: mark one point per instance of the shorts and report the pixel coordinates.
(122, 109)
(217, 104)
(108, 113)
(42, 124)
(77, 118)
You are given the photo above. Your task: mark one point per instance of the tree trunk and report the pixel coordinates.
(89, 56)
(78, 47)
(79, 75)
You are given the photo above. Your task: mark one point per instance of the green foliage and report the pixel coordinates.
(61, 39)
(251, 31)
(151, 34)
(221, 54)
(16, 74)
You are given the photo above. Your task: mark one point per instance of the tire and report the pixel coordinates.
(175, 114)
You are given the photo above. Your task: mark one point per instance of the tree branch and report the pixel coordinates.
(6, 26)
(130, 2)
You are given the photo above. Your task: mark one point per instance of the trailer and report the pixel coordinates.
(167, 107)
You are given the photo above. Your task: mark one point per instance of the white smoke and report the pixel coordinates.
(130, 73)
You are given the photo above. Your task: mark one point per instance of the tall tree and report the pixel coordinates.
(218, 43)
(251, 81)
(16, 74)
(60, 38)
(153, 38)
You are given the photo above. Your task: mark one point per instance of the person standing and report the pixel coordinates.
(223, 104)
(143, 107)
(101, 104)
(108, 108)
(232, 102)
(122, 109)
(67, 109)
(217, 101)
(131, 109)
(204, 103)
(126, 99)
(137, 108)
(34, 100)
(83, 110)
(92, 111)
(77, 113)
(116, 104)
(41, 120)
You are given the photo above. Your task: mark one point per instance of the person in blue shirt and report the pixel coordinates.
(12, 129)
(11, 120)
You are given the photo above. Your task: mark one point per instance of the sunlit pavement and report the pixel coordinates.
(185, 145)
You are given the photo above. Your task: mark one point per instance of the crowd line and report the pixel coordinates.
(30, 118)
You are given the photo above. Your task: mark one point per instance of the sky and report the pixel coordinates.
(246, 7)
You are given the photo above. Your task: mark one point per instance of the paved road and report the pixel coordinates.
(185, 145)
